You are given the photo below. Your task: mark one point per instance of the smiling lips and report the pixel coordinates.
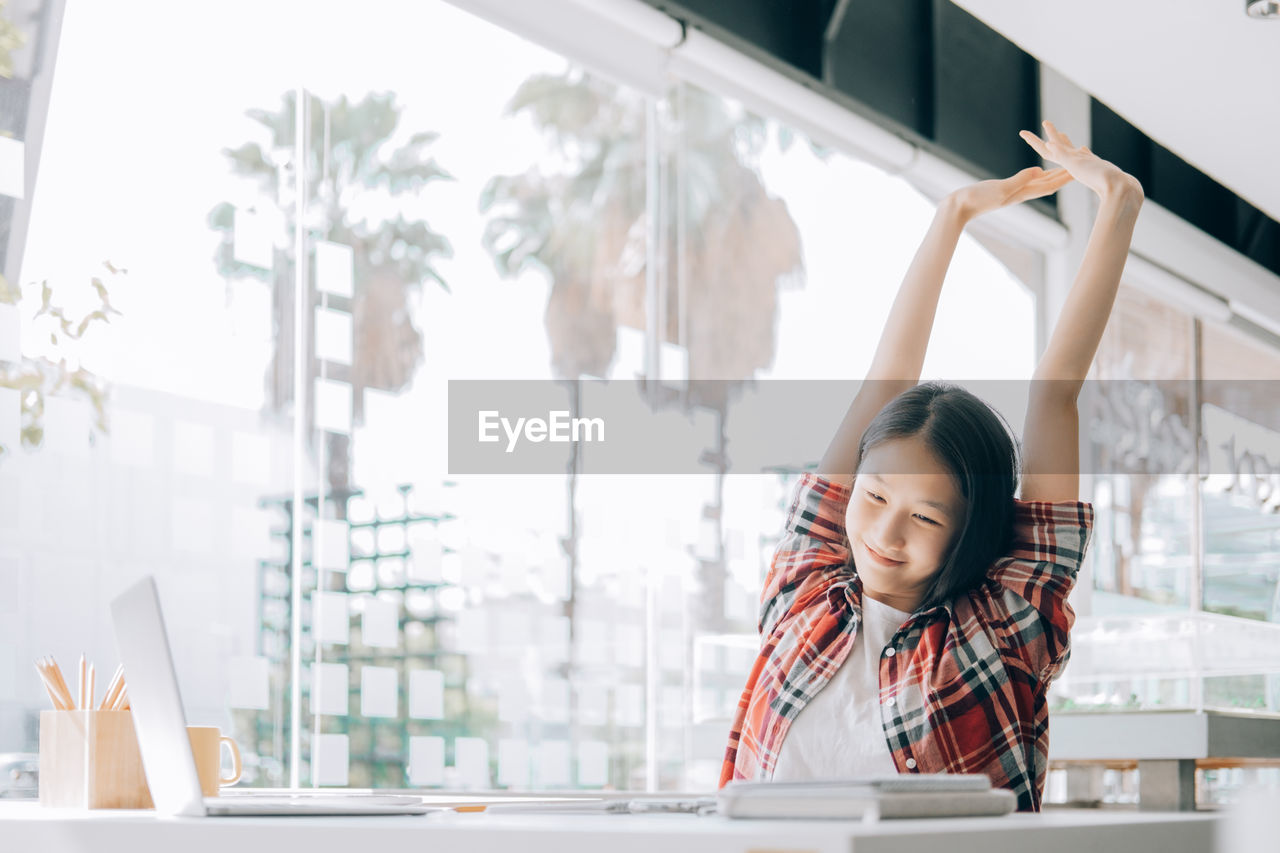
(881, 558)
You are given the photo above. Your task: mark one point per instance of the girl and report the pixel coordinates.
(915, 611)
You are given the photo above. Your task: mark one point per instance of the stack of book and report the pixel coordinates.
(870, 798)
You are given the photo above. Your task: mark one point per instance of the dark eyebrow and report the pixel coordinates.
(938, 506)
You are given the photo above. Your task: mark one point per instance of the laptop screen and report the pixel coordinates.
(158, 717)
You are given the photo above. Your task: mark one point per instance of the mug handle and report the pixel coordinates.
(235, 760)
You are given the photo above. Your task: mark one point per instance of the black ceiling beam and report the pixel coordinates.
(1184, 190)
(934, 74)
(788, 31)
(942, 79)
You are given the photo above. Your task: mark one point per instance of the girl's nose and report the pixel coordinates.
(889, 532)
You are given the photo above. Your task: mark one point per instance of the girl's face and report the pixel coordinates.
(903, 517)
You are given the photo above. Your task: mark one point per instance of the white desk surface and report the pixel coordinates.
(25, 826)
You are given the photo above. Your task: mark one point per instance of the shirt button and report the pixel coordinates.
(911, 764)
(890, 652)
(891, 701)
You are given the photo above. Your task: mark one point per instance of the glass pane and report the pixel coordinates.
(1241, 524)
(152, 441)
(1139, 423)
(482, 636)
(785, 258)
(1128, 646)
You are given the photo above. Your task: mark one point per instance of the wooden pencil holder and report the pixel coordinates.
(90, 759)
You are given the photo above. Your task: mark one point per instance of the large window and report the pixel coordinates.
(1182, 444)
(1182, 437)
(1241, 500)
(352, 612)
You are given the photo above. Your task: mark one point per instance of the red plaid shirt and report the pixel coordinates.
(964, 689)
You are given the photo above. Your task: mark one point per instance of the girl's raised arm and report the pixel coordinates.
(899, 356)
(1050, 436)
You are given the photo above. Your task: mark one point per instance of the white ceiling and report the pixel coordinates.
(1199, 77)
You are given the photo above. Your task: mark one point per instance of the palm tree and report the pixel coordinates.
(355, 161)
(582, 223)
(584, 226)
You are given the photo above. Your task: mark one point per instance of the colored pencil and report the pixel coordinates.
(50, 669)
(117, 682)
(62, 682)
(50, 689)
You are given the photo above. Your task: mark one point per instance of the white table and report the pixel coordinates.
(25, 826)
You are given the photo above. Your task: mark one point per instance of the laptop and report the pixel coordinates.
(161, 727)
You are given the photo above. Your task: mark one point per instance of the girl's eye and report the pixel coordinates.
(926, 519)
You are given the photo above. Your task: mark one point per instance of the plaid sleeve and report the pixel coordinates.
(1049, 542)
(813, 544)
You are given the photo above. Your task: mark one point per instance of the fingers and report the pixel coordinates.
(1059, 178)
(1050, 183)
(1037, 144)
(1056, 135)
(1052, 137)
(1053, 178)
(1060, 183)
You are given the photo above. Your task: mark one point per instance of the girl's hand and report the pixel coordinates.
(1104, 178)
(985, 196)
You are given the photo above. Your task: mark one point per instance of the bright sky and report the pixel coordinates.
(131, 166)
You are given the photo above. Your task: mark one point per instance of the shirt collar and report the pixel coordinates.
(851, 592)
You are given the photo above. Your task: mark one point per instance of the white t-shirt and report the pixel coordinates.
(839, 734)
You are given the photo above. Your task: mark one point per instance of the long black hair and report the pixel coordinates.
(975, 444)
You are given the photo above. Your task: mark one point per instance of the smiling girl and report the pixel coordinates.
(916, 610)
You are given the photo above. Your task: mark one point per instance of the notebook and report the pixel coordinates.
(160, 724)
(869, 798)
